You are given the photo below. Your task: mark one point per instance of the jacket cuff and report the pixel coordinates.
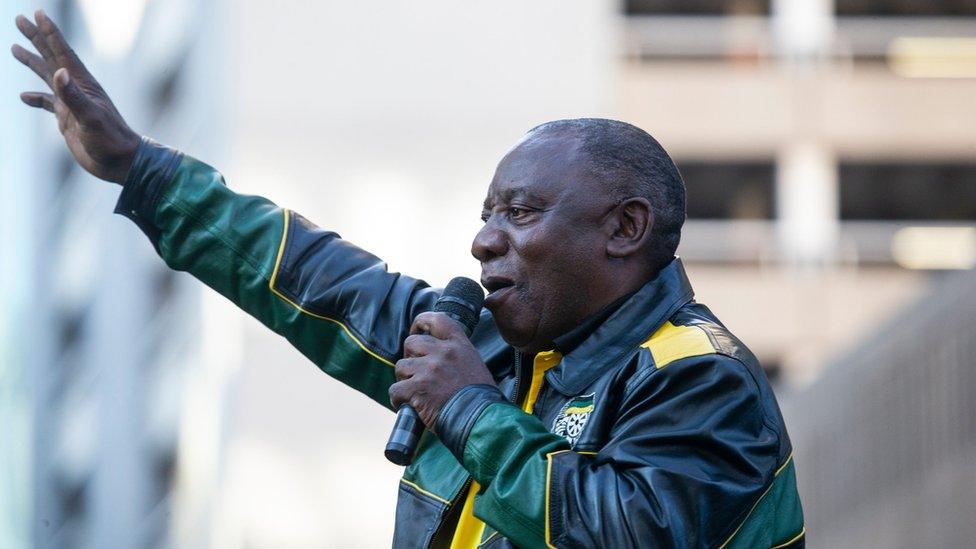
(459, 414)
(151, 172)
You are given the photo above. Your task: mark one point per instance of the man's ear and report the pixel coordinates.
(631, 222)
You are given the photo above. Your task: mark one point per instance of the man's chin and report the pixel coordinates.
(515, 335)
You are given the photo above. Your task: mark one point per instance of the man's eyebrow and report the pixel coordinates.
(511, 194)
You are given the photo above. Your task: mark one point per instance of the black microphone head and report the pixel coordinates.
(462, 300)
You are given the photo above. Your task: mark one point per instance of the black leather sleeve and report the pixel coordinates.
(457, 416)
(152, 169)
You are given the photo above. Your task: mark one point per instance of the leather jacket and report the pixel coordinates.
(659, 429)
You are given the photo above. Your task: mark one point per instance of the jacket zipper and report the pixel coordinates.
(518, 377)
(517, 397)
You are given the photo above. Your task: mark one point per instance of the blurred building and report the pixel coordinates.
(884, 440)
(828, 150)
(99, 336)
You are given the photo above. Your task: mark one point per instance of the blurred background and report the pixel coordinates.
(829, 151)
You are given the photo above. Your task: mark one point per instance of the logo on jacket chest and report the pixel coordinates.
(572, 418)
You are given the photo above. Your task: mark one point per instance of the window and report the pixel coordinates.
(909, 8)
(905, 8)
(696, 7)
(729, 190)
(897, 191)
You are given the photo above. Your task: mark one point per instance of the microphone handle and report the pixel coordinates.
(405, 436)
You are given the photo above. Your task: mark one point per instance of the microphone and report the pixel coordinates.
(462, 301)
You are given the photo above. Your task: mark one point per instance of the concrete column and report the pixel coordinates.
(807, 202)
(803, 29)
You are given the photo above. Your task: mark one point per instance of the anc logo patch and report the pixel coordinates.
(572, 418)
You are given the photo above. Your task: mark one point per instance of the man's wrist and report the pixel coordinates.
(459, 414)
(127, 158)
(151, 172)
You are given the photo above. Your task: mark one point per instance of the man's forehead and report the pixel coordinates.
(537, 168)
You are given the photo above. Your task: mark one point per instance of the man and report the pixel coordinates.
(596, 404)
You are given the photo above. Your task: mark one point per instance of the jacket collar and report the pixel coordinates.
(572, 339)
(628, 327)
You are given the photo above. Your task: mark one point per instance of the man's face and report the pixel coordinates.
(543, 246)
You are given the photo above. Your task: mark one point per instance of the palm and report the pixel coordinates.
(95, 132)
(80, 140)
(71, 132)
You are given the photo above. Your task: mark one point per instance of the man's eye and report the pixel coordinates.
(517, 213)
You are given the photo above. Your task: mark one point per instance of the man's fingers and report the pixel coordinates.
(418, 345)
(39, 99)
(72, 96)
(34, 62)
(400, 393)
(405, 368)
(438, 325)
(29, 30)
(63, 53)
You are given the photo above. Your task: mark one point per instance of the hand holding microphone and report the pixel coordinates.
(438, 360)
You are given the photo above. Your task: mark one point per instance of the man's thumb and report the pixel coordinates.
(69, 92)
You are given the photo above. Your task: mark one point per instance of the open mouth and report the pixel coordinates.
(499, 288)
(495, 284)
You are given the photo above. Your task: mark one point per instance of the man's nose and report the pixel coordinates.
(489, 243)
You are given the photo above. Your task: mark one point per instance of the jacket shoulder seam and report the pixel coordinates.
(670, 343)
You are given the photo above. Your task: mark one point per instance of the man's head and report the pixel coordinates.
(579, 213)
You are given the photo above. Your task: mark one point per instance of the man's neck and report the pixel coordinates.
(571, 339)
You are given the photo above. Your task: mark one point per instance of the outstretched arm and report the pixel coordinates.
(334, 302)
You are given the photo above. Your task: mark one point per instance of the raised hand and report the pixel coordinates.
(95, 132)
